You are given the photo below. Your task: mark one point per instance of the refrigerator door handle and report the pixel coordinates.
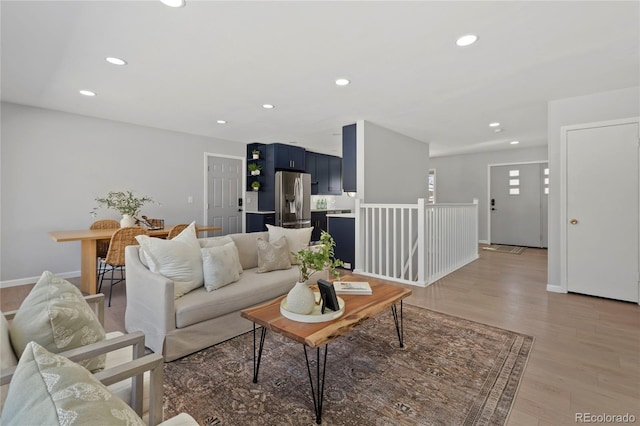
(297, 222)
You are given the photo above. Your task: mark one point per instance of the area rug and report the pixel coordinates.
(505, 249)
(450, 372)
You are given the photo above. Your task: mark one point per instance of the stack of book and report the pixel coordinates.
(352, 287)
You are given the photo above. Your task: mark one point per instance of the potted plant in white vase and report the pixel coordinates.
(124, 202)
(255, 154)
(254, 169)
(312, 259)
(255, 185)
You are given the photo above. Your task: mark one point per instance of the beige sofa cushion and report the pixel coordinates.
(247, 247)
(252, 288)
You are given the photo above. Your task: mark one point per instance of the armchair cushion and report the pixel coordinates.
(55, 315)
(178, 259)
(49, 389)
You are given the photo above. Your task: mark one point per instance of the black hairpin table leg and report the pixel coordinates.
(256, 361)
(399, 323)
(317, 392)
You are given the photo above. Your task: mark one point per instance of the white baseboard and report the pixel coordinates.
(555, 288)
(483, 242)
(31, 280)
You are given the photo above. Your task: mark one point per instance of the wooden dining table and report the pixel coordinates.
(88, 250)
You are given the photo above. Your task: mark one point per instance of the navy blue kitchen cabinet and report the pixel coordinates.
(256, 222)
(319, 223)
(343, 231)
(287, 157)
(349, 183)
(326, 173)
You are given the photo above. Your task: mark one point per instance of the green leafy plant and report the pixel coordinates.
(255, 185)
(124, 202)
(255, 152)
(318, 258)
(253, 167)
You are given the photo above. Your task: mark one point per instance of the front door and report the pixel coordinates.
(602, 195)
(518, 205)
(224, 194)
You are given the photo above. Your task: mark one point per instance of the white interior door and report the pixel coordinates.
(517, 211)
(225, 191)
(602, 205)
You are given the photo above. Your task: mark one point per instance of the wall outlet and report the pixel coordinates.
(190, 199)
(347, 265)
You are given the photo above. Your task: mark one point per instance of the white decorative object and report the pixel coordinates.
(127, 221)
(300, 299)
(255, 172)
(316, 315)
(256, 156)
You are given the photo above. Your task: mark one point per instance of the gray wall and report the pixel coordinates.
(604, 106)
(396, 167)
(54, 164)
(461, 178)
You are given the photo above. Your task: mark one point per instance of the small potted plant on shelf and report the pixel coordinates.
(125, 202)
(300, 298)
(255, 154)
(255, 185)
(254, 169)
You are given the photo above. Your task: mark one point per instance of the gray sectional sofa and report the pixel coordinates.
(199, 319)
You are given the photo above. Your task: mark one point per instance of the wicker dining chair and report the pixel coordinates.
(176, 229)
(102, 246)
(120, 239)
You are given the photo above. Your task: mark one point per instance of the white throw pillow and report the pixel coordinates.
(219, 242)
(7, 357)
(220, 266)
(178, 259)
(297, 238)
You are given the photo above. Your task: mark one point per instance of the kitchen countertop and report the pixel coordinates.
(331, 211)
(343, 215)
(261, 212)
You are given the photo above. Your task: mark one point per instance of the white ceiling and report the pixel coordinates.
(211, 60)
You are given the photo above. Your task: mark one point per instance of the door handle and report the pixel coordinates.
(239, 210)
(573, 221)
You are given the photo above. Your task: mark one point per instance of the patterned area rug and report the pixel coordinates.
(451, 371)
(505, 249)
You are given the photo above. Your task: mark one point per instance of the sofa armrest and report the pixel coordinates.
(150, 301)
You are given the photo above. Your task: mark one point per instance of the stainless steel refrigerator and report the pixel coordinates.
(293, 199)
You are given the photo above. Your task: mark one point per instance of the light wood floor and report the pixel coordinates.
(586, 356)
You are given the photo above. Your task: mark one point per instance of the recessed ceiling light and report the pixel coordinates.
(173, 3)
(494, 124)
(115, 61)
(221, 121)
(267, 106)
(498, 130)
(342, 82)
(87, 93)
(514, 142)
(466, 40)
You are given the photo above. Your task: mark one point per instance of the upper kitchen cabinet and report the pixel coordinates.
(326, 173)
(349, 183)
(287, 157)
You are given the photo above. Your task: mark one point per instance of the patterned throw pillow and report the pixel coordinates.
(55, 315)
(297, 238)
(48, 389)
(273, 256)
(220, 266)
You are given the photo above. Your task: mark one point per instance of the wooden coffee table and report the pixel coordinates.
(315, 335)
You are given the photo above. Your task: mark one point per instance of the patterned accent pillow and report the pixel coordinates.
(220, 266)
(273, 256)
(178, 259)
(297, 238)
(218, 242)
(55, 315)
(48, 389)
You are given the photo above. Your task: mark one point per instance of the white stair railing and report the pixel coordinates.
(415, 243)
